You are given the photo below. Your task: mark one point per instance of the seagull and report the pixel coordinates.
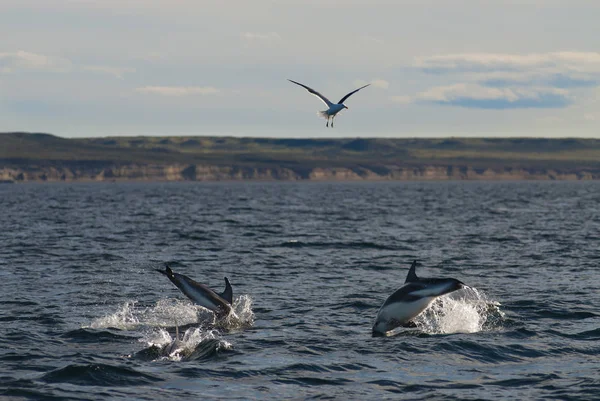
(334, 108)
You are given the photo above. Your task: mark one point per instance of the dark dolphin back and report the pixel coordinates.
(227, 295)
(403, 294)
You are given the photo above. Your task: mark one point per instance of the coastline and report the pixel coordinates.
(38, 157)
(205, 173)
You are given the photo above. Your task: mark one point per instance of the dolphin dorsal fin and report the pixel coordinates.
(412, 275)
(227, 295)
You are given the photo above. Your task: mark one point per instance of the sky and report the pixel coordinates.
(437, 68)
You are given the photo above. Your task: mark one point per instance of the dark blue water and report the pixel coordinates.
(85, 315)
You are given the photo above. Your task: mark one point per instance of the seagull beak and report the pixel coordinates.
(345, 107)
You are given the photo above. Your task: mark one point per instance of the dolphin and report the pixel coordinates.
(220, 304)
(176, 345)
(411, 299)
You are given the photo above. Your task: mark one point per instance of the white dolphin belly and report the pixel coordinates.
(197, 296)
(402, 312)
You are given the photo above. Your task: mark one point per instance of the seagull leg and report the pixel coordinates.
(332, 121)
(327, 124)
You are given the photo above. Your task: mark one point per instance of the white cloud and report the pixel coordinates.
(462, 90)
(378, 83)
(178, 90)
(500, 80)
(556, 69)
(371, 40)
(479, 96)
(117, 72)
(261, 37)
(402, 99)
(22, 60)
(560, 61)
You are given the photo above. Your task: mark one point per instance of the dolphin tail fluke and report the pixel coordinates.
(167, 272)
(412, 275)
(227, 295)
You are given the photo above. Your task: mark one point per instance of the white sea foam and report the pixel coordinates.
(166, 312)
(465, 311)
(242, 315)
(172, 313)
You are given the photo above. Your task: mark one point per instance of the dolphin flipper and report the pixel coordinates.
(412, 275)
(227, 295)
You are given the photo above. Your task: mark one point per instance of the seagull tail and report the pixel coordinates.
(323, 114)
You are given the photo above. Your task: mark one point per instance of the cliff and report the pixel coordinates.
(175, 172)
(28, 157)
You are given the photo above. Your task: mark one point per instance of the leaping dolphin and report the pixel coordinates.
(411, 299)
(220, 304)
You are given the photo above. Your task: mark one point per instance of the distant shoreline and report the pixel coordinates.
(26, 157)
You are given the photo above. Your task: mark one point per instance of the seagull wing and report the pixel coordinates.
(352, 93)
(314, 92)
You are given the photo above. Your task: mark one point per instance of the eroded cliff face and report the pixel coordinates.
(179, 172)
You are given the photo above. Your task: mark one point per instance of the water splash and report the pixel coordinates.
(166, 312)
(173, 313)
(195, 344)
(242, 315)
(123, 319)
(465, 311)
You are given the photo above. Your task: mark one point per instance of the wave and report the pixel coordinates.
(336, 245)
(98, 374)
(89, 335)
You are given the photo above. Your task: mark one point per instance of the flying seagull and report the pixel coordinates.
(334, 108)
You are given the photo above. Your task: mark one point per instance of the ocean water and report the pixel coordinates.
(85, 316)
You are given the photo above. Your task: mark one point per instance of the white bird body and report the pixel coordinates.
(333, 108)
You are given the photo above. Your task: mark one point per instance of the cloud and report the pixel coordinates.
(117, 72)
(22, 60)
(555, 61)
(500, 81)
(371, 40)
(537, 78)
(485, 97)
(378, 83)
(557, 69)
(401, 99)
(261, 37)
(11, 62)
(178, 90)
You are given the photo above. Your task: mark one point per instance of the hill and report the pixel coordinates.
(45, 157)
